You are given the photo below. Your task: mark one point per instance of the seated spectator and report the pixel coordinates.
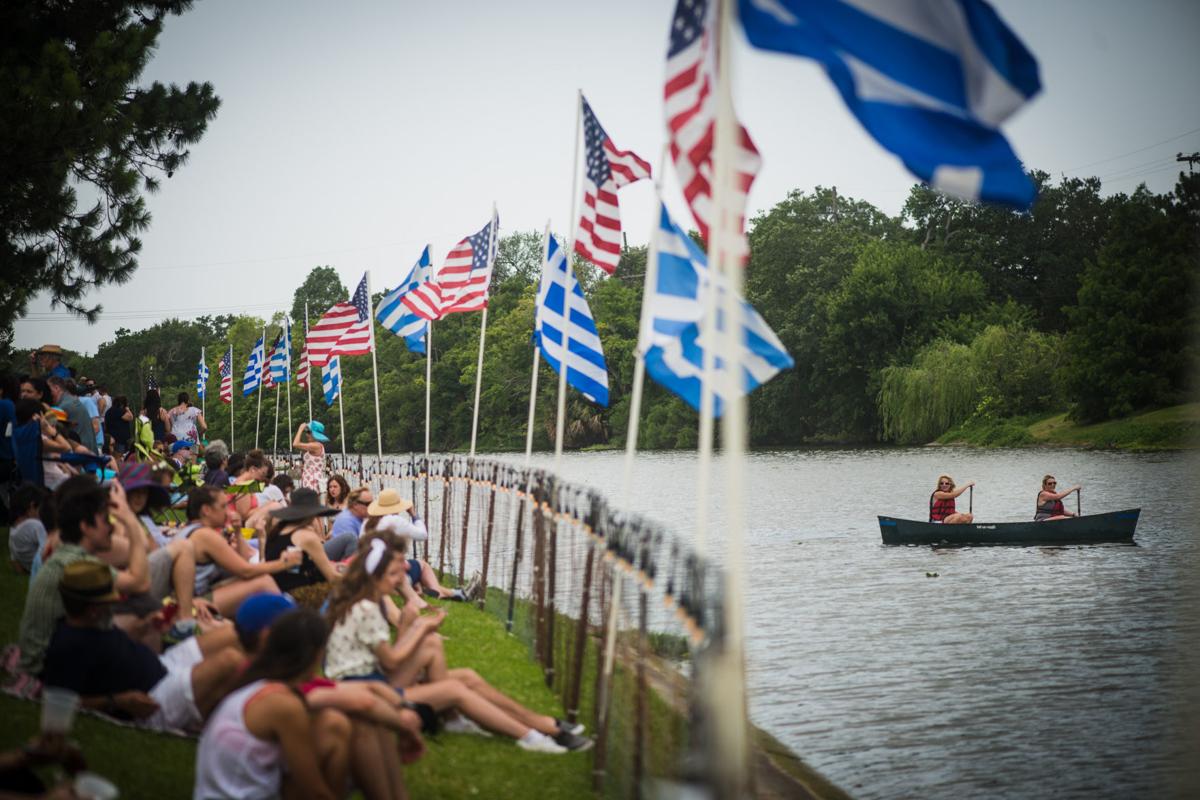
(118, 420)
(114, 674)
(343, 536)
(285, 484)
(423, 579)
(261, 740)
(295, 526)
(224, 572)
(336, 492)
(27, 534)
(360, 646)
(214, 466)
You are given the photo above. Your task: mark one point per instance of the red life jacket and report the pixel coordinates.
(940, 509)
(1052, 507)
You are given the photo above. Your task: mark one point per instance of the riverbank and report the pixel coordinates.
(1171, 428)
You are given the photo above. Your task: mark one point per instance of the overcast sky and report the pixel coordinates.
(352, 134)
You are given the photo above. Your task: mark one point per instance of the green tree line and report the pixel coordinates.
(901, 328)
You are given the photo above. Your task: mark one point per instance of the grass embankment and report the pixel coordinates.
(1172, 428)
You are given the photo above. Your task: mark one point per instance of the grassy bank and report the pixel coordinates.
(1172, 428)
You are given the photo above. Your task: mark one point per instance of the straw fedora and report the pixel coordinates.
(89, 581)
(388, 502)
(50, 350)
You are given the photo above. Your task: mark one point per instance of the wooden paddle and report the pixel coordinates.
(1078, 503)
(971, 499)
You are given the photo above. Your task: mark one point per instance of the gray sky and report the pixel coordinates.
(353, 133)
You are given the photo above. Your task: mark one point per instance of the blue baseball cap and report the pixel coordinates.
(317, 429)
(258, 611)
(181, 444)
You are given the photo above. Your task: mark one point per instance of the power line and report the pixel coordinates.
(1133, 152)
(63, 316)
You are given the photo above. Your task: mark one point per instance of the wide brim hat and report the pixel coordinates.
(138, 475)
(317, 431)
(304, 503)
(388, 502)
(50, 349)
(89, 581)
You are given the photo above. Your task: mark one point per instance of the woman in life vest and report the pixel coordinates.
(941, 502)
(1049, 502)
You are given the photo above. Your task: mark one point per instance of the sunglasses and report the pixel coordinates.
(943, 483)
(1052, 483)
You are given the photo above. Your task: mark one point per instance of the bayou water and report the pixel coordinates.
(1014, 673)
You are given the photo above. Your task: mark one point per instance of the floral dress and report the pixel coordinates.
(312, 470)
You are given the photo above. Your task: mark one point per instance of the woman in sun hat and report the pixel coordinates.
(312, 450)
(392, 512)
(295, 525)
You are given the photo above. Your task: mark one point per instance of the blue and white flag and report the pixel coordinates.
(396, 316)
(281, 355)
(331, 379)
(252, 378)
(672, 345)
(586, 370)
(201, 377)
(931, 80)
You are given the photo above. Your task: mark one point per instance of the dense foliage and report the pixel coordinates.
(901, 328)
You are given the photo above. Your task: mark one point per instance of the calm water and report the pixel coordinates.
(1018, 672)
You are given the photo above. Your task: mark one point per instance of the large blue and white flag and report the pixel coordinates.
(672, 345)
(586, 370)
(202, 377)
(396, 316)
(281, 356)
(254, 368)
(931, 80)
(331, 379)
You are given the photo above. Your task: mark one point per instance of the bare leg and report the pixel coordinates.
(375, 762)
(958, 519)
(228, 596)
(411, 598)
(331, 735)
(444, 695)
(430, 656)
(183, 576)
(429, 581)
(472, 680)
(211, 678)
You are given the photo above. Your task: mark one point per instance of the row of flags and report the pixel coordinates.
(931, 81)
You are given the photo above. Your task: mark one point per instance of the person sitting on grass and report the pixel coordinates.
(116, 675)
(347, 525)
(88, 517)
(422, 577)
(27, 534)
(377, 712)
(360, 647)
(261, 741)
(224, 572)
(296, 527)
(336, 492)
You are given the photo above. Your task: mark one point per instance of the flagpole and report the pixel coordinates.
(231, 394)
(560, 420)
(729, 685)
(308, 389)
(258, 416)
(374, 366)
(275, 439)
(483, 333)
(428, 380)
(341, 409)
(287, 384)
(533, 381)
(204, 394)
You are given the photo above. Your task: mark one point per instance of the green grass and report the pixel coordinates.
(1172, 428)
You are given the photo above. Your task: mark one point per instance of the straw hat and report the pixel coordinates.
(388, 502)
(90, 581)
(50, 350)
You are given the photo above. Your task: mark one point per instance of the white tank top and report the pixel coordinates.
(231, 762)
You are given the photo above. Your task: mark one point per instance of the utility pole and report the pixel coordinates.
(1191, 160)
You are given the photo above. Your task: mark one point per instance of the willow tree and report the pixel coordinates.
(938, 390)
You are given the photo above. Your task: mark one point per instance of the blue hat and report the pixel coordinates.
(317, 429)
(181, 444)
(258, 611)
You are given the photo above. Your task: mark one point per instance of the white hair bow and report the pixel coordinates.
(375, 555)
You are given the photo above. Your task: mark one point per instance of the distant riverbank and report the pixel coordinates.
(1171, 428)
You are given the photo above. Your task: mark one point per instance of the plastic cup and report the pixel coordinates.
(58, 710)
(90, 786)
(249, 533)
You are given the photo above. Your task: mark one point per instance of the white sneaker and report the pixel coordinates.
(461, 724)
(539, 743)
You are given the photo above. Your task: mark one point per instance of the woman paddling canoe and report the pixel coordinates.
(1049, 502)
(941, 502)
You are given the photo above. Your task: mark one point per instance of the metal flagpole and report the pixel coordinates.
(483, 333)
(560, 420)
(533, 381)
(204, 394)
(308, 389)
(374, 366)
(275, 440)
(728, 702)
(287, 384)
(258, 416)
(428, 379)
(341, 411)
(231, 394)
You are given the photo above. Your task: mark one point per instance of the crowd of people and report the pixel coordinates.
(176, 585)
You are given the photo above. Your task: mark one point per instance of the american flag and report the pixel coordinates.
(345, 329)
(302, 370)
(608, 169)
(690, 103)
(462, 282)
(226, 372)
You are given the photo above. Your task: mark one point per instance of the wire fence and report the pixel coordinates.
(559, 567)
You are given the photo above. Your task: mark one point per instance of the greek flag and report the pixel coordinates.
(672, 346)
(331, 379)
(586, 370)
(201, 376)
(397, 317)
(931, 80)
(252, 378)
(281, 357)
